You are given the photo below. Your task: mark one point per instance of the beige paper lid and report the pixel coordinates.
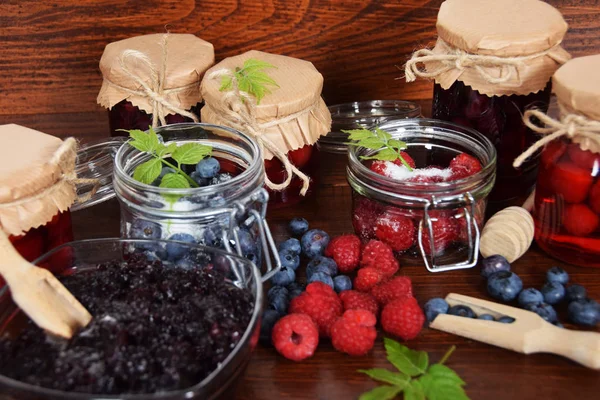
(577, 86)
(33, 184)
(299, 93)
(186, 59)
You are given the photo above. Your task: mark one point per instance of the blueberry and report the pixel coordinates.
(575, 292)
(321, 264)
(295, 289)
(277, 291)
(584, 312)
(544, 310)
(486, 317)
(530, 295)
(269, 319)
(285, 276)
(298, 226)
(434, 307)
(461, 311)
(292, 245)
(553, 292)
(504, 285)
(186, 263)
(493, 264)
(557, 275)
(213, 236)
(143, 229)
(199, 180)
(163, 172)
(341, 283)
(506, 320)
(248, 246)
(279, 299)
(321, 277)
(176, 251)
(221, 178)
(289, 259)
(208, 168)
(314, 242)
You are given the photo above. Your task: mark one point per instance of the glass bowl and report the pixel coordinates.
(219, 384)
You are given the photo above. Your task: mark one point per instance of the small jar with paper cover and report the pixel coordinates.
(567, 197)
(276, 100)
(492, 61)
(153, 80)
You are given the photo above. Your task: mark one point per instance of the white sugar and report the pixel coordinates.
(401, 173)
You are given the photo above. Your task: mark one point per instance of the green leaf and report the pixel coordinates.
(381, 393)
(165, 150)
(384, 155)
(226, 83)
(153, 140)
(443, 373)
(436, 389)
(252, 64)
(358, 134)
(191, 153)
(174, 181)
(372, 143)
(414, 391)
(148, 171)
(410, 362)
(387, 376)
(397, 144)
(382, 134)
(251, 79)
(146, 142)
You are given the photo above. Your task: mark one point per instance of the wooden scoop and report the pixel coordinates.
(40, 295)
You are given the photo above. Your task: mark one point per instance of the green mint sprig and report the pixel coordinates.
(416, 378)
(251, 79)
(389, 149)
(147, 172)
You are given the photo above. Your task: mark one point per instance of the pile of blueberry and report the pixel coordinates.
(206, 173)
(505, 285)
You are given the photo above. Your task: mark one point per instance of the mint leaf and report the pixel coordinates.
(358, 134)
(388, 149)
(252, 64)
(408, 361)
(384, 375)
(252, 79)
(148, 171)
(226, 83)
(381, 393)
(383, 135)
(414, 391)
(165, 150)
(397, 144)
(174, 181)
(191, 153)
(153, 140)
(383, 155)
(436, 389)
(372, 143)
(441, 373)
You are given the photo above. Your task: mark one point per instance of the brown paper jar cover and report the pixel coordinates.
(187, 58)
(507, 28)
(300, 86)
(33, 188)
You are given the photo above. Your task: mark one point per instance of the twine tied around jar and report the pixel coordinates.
(581, 130)
(155, 90)
(239, 112)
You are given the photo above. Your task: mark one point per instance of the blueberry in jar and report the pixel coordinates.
(176, 251)
(143, 229)
(221, 178)
(213, 236)
(208, 168)
(199, 179)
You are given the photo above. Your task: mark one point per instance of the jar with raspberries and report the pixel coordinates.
(490, 64)
(421, 186)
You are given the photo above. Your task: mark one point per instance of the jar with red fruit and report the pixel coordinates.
(424, 191)
(567, 197)
(153, 80)
(276, 100)
(492, 61)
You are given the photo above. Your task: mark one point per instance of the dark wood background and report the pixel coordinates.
(49, 50)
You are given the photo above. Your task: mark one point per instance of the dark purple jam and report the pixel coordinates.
(155, 329)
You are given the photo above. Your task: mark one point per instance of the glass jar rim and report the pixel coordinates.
(408, 108)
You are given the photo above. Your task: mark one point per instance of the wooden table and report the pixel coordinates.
(490, 372)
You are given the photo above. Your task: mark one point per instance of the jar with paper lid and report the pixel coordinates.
(567, 197)
(492, 61)
(276, 100)
(153, 80)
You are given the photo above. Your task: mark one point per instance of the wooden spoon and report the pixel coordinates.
(40, 295)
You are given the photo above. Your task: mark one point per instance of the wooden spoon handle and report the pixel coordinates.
(579, 346)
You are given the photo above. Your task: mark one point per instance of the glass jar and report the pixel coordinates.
(229, 215)
(446, 217)
(500, 119)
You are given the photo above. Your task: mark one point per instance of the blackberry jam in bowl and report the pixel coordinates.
(160, 330)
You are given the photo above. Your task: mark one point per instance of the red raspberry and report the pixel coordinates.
(403, 318)
(595, 197)
(580, 220)
(354, 333)
(295, 336)
(396, 288)
(571, 182)
(301, 156)
(397, 231)
(552, 153)
(464, 165)
(345, 250)
(583, 158)
(409, 160)
(367, 278)
(380, 256)
(445, 231)
(321, 306)
(379, 167)
(354, 300)
(320, 288)
(365, 212)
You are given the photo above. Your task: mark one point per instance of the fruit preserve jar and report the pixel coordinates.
(491, 62)
(153, 80)
(436, 222)
(228, 214)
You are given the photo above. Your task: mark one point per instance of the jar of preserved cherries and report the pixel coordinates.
(492, 61)
(153, 80)
(567, 197)
(286, 116)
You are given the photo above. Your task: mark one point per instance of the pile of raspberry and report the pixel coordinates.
(349, 319)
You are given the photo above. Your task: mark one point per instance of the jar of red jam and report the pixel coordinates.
(567, 197)
(492, 61)
(433, 212)
(153, 80)
(286, 118)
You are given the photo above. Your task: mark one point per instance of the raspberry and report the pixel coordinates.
(365, 212)
(379, 167)
(595, 197)
(396, 288)
(552, 153)
(323, 307)
(580, 220)
(354, 300)
(380, 256)
(571, 182)
(367, 278)
(582, 158)
(464, 165)
(345, 250)
(409, 160)
(445, 231)
(397, 231)
(295, 336)
(354, 333)
(403, 318)
(301, 156)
